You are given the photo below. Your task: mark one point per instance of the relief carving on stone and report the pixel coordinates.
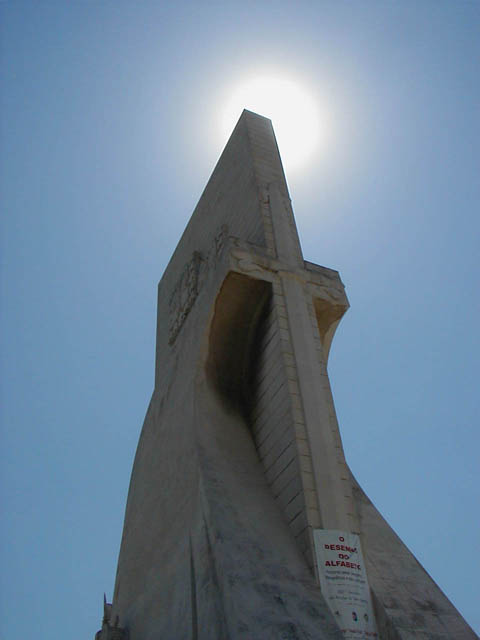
(184, 295)
(190, 283)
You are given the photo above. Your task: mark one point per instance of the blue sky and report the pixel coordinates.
(109, 131)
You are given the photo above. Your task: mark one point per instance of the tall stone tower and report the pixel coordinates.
(243, 519)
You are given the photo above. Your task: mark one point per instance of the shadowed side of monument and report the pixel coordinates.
(240, 458)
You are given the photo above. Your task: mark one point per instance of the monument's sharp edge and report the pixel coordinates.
(271, 181)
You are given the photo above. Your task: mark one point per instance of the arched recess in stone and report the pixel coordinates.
(246, 365)
(239, 307)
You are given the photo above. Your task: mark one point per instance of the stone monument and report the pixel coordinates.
(243, 520)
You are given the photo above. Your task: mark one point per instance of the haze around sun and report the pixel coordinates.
(296, 113)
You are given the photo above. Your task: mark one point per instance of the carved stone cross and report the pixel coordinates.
(309, 301)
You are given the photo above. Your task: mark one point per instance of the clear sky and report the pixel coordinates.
(110, 127)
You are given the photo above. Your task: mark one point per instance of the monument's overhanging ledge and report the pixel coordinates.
(240, 469)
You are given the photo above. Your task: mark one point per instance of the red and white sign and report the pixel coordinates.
(343, 581)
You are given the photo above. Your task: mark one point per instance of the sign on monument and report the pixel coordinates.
(343, 581)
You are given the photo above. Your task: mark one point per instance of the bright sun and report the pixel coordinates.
(294, 113)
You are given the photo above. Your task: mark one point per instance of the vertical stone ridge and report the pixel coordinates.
(219, 616)
(278, 428)
(193, 592)
(311, 518)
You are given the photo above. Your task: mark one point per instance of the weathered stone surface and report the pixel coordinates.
(240, 455)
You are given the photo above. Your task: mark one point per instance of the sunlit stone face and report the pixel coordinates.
(293, 110)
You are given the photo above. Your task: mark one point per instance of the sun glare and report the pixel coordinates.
(294, 113)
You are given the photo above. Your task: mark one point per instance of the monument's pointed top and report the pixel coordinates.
(256, 131)
(262, 148)
(248, 112)
(246, 198)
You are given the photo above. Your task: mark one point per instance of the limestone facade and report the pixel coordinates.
(240, 457)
